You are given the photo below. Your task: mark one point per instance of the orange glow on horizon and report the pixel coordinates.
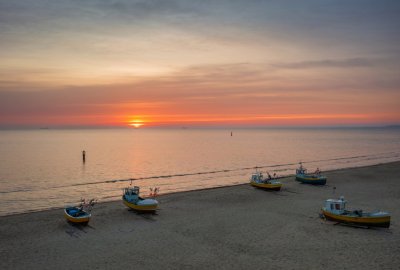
(154, 120)
(136, 123)
(173, 120)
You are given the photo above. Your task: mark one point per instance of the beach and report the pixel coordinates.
(236, 227)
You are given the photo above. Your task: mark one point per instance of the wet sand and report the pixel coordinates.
(237, 227)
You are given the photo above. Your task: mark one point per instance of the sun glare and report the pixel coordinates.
(136, 123)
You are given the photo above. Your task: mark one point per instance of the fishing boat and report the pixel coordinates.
(79, 214)
(335, 209)
(309, 178)
(257, 180)
(132, 199)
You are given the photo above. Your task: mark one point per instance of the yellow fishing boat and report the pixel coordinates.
(257, 180)
(79, 214)
(132, 200)
(335, 210)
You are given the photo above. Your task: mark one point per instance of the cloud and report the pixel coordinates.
(70, 58)
(241, 90)
(329, 63)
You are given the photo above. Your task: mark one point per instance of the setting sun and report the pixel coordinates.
(136, 123)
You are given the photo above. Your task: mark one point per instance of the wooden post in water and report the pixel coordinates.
(84, 156)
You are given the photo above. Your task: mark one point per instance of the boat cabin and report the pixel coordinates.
(336, 206)
(131, 193)
(257, 177)
(301, 169)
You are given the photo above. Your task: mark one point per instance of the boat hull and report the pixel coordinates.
(275, 186)
(78, 220)
(383, 221)
(140, 208)
(311, 180)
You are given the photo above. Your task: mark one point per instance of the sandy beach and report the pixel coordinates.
(238, 227)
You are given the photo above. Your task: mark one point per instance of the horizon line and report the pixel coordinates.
(53, 127)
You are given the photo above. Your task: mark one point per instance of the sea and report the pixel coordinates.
(44, 169)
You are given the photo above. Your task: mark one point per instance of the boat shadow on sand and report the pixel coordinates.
(150, 216)
(283, 192)
(75, 230)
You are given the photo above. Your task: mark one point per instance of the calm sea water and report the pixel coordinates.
(42, 169)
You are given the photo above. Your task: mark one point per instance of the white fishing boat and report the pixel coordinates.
(132, 199)
(335, 210)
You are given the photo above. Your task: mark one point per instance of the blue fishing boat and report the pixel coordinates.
(335, 210)
(132, 200)
(309, 178)
(79, 214)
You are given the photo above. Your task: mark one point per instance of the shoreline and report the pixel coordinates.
(233, 227)
(287, 177)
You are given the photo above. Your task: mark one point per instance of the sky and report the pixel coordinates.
(199, 63)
